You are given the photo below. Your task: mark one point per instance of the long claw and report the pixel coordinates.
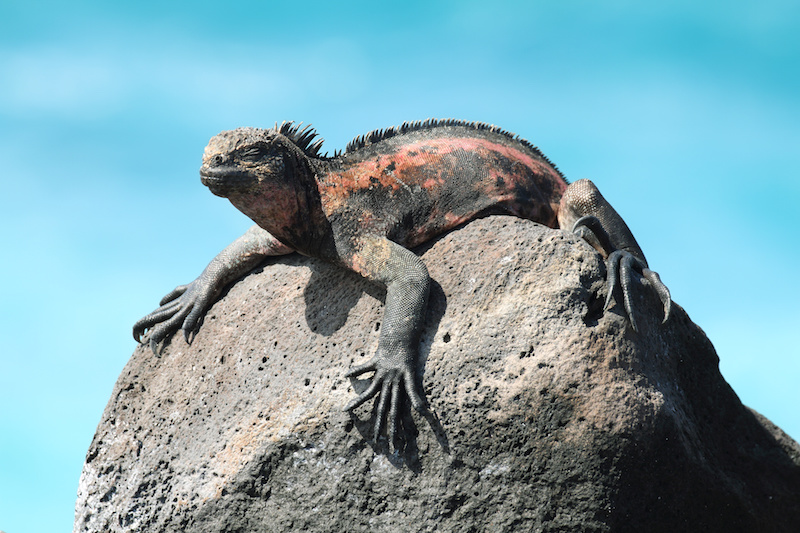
(371, 391)
(661, 289)
(393, 411)
(613, 277)
(392, 376)
(411, 391)
(590, 229)
(163, 312)
(182, 308)
(626, 272)
(369, 366)
(622, 254)
(147, 322)
(193, 318)
(173, 294)
(381, 410)
(621, 267)
(163, 330)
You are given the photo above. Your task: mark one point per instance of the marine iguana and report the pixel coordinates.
(363, 209)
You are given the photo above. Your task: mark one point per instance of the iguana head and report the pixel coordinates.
(265, 173)
(238, 160)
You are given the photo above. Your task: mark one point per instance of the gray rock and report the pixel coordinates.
(547, 414)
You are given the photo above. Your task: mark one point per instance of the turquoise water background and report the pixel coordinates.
(686, 115)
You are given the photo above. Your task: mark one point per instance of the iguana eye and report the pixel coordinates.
(252, 154)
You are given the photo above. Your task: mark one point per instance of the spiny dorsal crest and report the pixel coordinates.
(303, 137)
(375, 136)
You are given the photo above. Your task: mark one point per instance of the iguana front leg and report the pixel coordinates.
(186, 304)
(407, 284)
(584, 211)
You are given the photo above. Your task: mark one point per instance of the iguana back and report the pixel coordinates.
(413, 182)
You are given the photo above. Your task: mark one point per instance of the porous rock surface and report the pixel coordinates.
(546, 413)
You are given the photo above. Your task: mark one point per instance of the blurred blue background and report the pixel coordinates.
(686, 114)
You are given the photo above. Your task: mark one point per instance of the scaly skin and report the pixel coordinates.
(389, 191)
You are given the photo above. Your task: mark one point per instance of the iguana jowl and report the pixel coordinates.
(363, 209)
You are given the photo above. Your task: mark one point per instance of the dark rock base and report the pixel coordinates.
(547, 414)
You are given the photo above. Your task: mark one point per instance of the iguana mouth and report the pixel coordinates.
(224, 180)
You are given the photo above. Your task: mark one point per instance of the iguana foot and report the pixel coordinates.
(621, 265)
(182, 309)
(390, 373)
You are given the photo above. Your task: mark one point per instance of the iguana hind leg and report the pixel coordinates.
(407, 284)
(585, 212)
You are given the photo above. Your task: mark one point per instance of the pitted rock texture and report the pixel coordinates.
(546, 413)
